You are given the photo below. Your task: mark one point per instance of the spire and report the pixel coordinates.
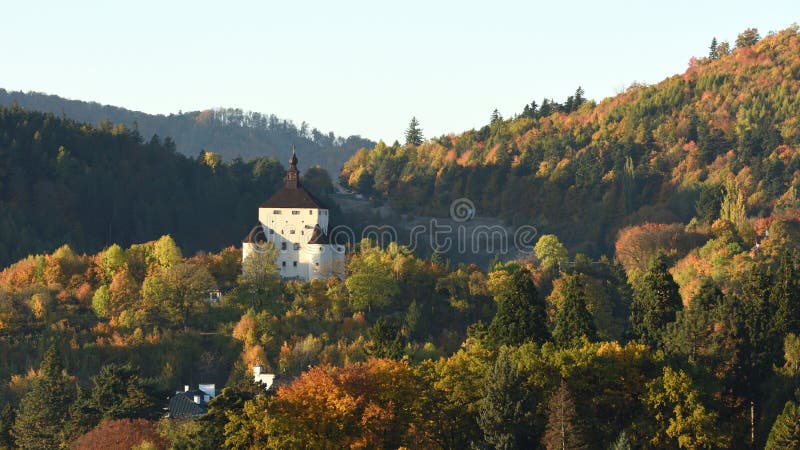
(292, 175)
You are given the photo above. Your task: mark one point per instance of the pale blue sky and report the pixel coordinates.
(360, 67)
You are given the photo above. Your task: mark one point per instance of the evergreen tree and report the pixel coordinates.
(656, 300)
(562, 431)
(520, 313)
(747, 38)
(785, 295)
(506, 410)
(45, 409)
(386, 340)
(622, 442)
(785, 433)
(712, 49)
(573, 321)
(413, 133)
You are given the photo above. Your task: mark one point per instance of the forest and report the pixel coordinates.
(659, 309)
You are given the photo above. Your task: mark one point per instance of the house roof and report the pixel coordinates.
(182, 405)
(293, 194)
(293, 197)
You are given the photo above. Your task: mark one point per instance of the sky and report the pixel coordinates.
(361, 67)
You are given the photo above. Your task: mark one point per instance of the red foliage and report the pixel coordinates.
(119, 434)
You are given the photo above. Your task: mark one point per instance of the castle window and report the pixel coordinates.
(317, 264)
(294, 213)
(277, 211)
(271, 231)
(283, 263)
(291, 231)
(297, 246)
(283, 245)
(310, 212)
(294, 263)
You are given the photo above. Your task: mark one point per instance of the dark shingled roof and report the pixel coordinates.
(182, 405)
(293, 197)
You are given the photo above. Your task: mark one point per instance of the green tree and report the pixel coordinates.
(413, 132)
(112, 260)
(521, 315)
(371, 279)
(563, 432)
(747, 38)
(165, 254)
(573, 321)
(45, 409)
(656, 301)
(791, 352)
(100, 301)
(550, 251)
(260, 274)
(785, 432)
(506, 410)
(178, 292)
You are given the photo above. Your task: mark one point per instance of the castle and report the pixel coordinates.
(297, 224)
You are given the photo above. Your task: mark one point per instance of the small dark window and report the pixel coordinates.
(297, 246)
(291, 231)
(277, 211)
(294, 213)
(283, 263)
(310, 212)
(294, 263)
(271, 231)
(283, 245)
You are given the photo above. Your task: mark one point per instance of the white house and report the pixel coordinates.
(297, 224)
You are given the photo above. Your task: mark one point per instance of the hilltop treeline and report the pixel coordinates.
(230, 132)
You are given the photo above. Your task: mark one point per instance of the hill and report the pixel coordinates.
(229, 132)
(661, 153)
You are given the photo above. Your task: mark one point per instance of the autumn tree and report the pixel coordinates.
(563, 431)
(119, 434)
(371, 279)
(178, 291)
(680, 417)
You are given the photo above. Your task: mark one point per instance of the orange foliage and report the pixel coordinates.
(121, 434)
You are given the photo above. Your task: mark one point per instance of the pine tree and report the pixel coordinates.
(520, 313)
(656, 301)
(506, 410)
(413, 133)
(562, 431)
(386, 341)
(712, 49)
(785, 433)
(573, 321)
(45, 409)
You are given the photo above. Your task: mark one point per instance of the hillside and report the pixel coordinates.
(662, 153)
(63, 181)
(229, 132)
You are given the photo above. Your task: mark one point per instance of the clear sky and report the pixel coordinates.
(361, 67)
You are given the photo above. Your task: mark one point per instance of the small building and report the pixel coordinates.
(259, 376)
(296, 223)
(190, 403)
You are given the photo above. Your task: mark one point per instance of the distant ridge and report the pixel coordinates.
(230, 132)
